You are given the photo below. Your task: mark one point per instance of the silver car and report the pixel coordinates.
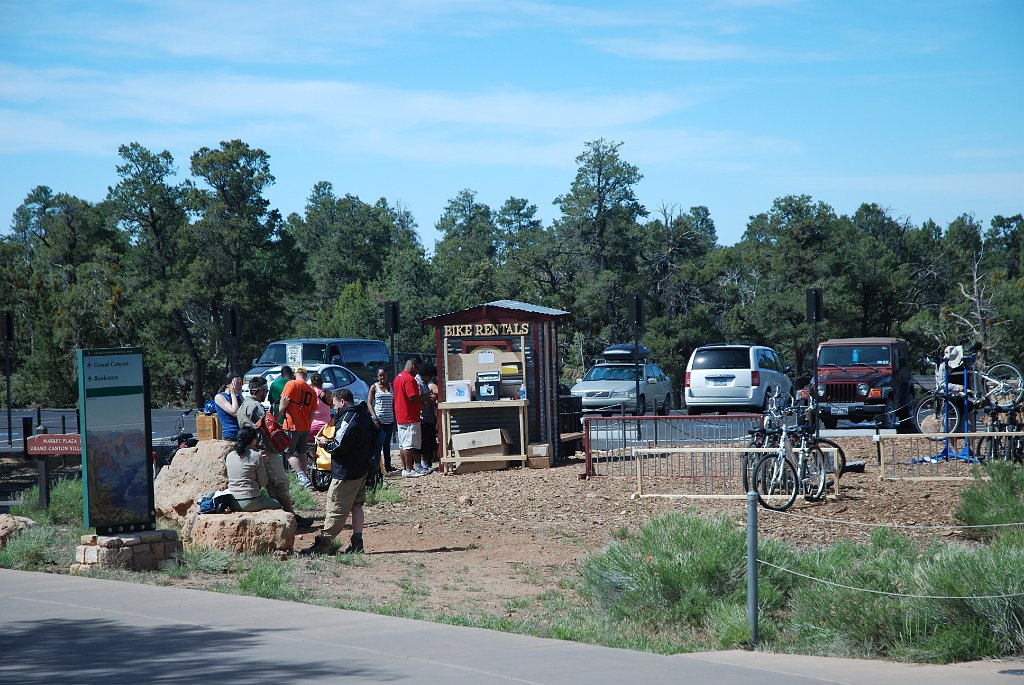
(334, 375)
(610, 388)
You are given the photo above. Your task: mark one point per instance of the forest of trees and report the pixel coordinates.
(158, 260)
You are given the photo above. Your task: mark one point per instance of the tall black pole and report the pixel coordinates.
(814, 351)
(7, 377)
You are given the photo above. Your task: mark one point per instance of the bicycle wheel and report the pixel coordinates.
(932, 416)
(840, 465)
(813, 484)
(749, 460)
(777, 483)
(990, 449)
(1009, 385)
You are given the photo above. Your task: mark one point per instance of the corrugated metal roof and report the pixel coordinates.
(512, 305)
(526, 307)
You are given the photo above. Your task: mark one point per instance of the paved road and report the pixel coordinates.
(61, 629)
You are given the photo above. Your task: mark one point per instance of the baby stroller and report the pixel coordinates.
(318, 465)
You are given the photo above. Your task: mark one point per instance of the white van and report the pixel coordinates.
(733, 377)
(362, 357)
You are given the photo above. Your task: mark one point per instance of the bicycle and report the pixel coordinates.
(164, 448)
(946, 408)
(790, 471)
(803, 436)
(1002, 447)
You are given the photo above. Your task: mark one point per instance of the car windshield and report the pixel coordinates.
(722, 358)
(277, 354)
(611, 373)
(854, 355)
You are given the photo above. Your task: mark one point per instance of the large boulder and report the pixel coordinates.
(12, 525)
(193, 471)
(259, 531)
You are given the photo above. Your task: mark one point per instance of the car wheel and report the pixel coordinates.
(829, 423)
(691, 411)
(641, 406)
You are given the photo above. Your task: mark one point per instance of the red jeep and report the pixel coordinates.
(864, 379)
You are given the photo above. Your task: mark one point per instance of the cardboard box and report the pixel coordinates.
(207, 427)
(539, 456)
(457, 391)
(488, 443)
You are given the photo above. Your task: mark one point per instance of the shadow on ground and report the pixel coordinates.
(108, 653)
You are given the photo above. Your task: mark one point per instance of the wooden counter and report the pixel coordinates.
(464, 417)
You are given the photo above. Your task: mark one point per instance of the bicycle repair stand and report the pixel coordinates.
(964, 454)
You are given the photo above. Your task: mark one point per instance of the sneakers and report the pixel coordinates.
(322, 545)
(424, 470)
(412, 474)
(305, 482)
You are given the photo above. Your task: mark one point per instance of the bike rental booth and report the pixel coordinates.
(497, 368)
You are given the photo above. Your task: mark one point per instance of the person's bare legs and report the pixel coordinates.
(408, 459)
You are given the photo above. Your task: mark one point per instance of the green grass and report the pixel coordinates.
(679, 582)
(66, 503)
(302, 499)
(383, 493)
(268, 579)
(202, 560)
(41, 548)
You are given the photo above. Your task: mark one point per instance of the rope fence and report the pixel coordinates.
(754, 561)
(884, 592)
(949, 526)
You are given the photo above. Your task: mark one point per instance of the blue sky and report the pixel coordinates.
(916, 106)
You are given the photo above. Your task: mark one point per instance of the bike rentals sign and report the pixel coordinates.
(115, 441)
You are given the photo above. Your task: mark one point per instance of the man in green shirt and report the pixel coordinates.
(277, 387)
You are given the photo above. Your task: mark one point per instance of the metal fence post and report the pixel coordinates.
(752, 613)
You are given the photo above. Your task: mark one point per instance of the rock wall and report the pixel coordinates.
(193, 471)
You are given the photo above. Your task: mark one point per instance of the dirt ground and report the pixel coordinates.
(493, 543)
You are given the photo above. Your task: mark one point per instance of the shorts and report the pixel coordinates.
(409, 436)
(299, 442)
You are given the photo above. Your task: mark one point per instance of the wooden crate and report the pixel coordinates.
(207, 427)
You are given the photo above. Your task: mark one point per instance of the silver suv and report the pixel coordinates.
(609, 387)
(734, 377)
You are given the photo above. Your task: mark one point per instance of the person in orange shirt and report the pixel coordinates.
(298, 400)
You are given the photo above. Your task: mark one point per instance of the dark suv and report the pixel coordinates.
(863, 379)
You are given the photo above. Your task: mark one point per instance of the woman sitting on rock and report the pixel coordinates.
(247, 474)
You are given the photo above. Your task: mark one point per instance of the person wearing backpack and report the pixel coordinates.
(249, 414)
(355, 438)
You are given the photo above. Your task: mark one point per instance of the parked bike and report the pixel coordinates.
(164, 448)
(962, 389)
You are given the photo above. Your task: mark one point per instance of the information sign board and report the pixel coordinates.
(116, 459)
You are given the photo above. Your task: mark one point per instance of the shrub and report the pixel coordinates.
(66, 503)
(683, 577)
(41, 548)
(995, 502)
